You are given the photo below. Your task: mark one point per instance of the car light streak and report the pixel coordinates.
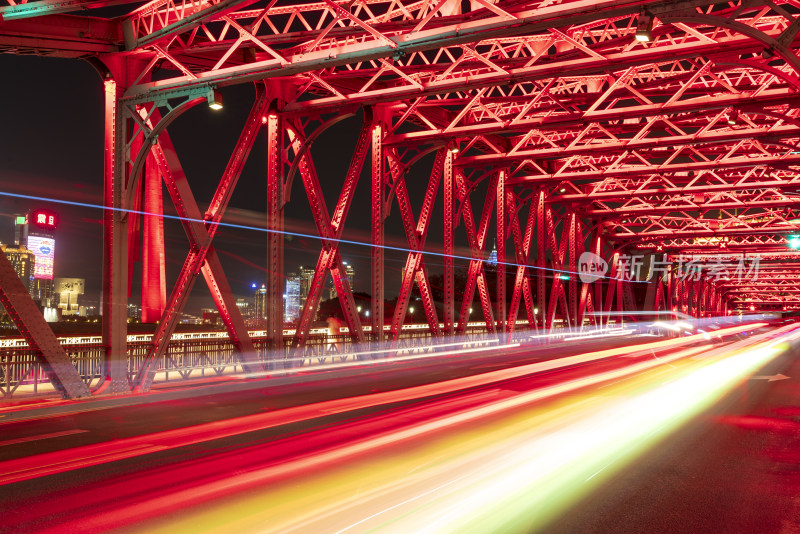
(84, 456)
(306, 466)
(513, 473)
(472, 348)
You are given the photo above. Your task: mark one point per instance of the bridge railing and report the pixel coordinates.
(194, 355)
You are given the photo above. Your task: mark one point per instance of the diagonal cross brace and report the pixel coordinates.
(32, 326)
(202, 256)
(477, 245)
(330, 230)
(559, 252)
(522, 245)
(416, 237)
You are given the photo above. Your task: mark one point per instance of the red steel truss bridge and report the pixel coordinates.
(659, 136)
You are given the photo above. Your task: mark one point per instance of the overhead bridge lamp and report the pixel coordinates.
(644, 28)
(214, 99)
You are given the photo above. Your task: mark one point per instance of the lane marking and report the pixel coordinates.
(42, 436)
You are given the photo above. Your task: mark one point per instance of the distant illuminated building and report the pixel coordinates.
(306, 276)
(260, 305)
(350, 273)
(20, 229)
(68, 290)
(134, 313)
(40, 228)
(245, 307)
(291, 299)
(493, 257)
(24, 262)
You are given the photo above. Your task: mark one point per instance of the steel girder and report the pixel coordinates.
(276, 199)
(379, 209)
(115, 246)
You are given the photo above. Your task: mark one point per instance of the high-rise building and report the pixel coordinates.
(20, 229)
(493, 257)
(40, 227)
(245, 307)
(291, 299)
(350, 272)
(134, 313)
(24, 262)
(306, 276)
(260, 305)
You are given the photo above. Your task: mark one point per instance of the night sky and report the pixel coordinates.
(52, 147)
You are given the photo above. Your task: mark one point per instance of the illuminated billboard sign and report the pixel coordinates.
(44, 219)
(44, 250)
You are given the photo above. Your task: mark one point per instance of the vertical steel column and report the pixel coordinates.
(585, 301)
(134, 217)
(541, 250)
(501, 251)
(449, 245)
(573, 267)
(115, 246)
(612, 283)
(154, 283)
(597, 301)
(670, 289)
(275, 206)
(557, 288)
(378, 217)
(659, 295)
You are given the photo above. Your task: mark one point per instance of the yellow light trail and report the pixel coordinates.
(511, 465)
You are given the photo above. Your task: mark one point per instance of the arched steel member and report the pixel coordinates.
(202, 257)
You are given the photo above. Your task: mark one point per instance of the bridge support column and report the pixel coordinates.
(377, 226)
(449, 244)
(115, 243)
(501, 251)
(154, 284)
(275, 211)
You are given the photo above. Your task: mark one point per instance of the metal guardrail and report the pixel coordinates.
(192, 355)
